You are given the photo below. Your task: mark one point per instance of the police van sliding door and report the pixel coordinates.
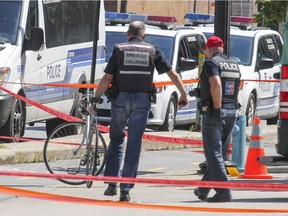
(69, 31)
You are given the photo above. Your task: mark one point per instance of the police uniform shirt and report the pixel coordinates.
(210, 68)
(228, 70)
(158, 60)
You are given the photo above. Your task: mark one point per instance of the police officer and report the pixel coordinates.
(219, 87)
(131, 67)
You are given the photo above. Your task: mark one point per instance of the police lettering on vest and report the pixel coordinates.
(230, 81)
(136, 67)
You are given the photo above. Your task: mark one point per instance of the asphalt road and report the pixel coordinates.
(163, 165)
(159, 160)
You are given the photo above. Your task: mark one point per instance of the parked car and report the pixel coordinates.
(258, 53)
(180, 47)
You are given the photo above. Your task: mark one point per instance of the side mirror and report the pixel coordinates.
(187, 64)
(36, 40)
(266, 63)
(276, 75)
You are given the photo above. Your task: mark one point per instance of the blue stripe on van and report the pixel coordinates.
(75, 59)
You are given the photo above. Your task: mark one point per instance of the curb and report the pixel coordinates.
(32, 152)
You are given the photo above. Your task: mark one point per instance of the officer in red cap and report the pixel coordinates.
(218, 106)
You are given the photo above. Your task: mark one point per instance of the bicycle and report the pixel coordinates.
(77, 147)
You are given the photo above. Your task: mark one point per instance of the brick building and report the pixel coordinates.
(177, 8)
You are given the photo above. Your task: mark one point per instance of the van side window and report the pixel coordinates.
(261, 51)
(194, 47)
(279, 46)
(32, 18)
(272, 49)
(69, 22)
(182, 53)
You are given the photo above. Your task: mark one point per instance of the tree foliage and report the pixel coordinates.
(270, 12)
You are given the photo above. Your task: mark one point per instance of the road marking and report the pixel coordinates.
(25, 178)
(157, 168)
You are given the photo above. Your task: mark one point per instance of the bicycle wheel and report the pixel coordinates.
(63, 152)
(97, 154)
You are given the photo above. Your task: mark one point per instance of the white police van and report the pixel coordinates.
(258, 53)
(45, 42)
(179, 47)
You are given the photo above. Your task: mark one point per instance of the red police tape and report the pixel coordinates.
(77, 200)
(45, 108)
(213, 184)
(69, 118)
(232, 185)
(158, 84)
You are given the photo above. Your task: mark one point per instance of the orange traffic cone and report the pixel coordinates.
(253, 168)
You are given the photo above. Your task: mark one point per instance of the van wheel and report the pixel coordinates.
(250, 111)
(169, 123)
(15, 124)
(51, 124)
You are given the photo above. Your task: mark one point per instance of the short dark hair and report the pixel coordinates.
(137, 28)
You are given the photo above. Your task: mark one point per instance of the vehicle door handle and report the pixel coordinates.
(39, 57)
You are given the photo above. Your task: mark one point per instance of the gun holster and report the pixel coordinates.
(152, 94)
(111, 93)
(204, 107)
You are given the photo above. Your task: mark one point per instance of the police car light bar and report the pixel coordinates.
(138, 17)
(197, 18)
(112, 17)
(240, 20)
(167, 21)
(124, 18)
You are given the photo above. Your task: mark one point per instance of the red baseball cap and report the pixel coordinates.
(214, 41)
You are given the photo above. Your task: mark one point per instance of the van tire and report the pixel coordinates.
(250, 110)
(15, 124)
(51, 124)
(169, 123)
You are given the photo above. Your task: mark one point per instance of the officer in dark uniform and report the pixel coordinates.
(131, 69)
(219, 87)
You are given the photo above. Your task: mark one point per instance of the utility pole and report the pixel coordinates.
(222, 22)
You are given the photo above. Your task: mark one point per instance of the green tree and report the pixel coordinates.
(270, 12)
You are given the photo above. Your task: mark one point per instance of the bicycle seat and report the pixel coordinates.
(97, 100)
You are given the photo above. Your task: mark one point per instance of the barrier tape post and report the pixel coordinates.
(238, 143)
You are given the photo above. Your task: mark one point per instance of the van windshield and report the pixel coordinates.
(164, 43)
(9, 21)
(240, 48)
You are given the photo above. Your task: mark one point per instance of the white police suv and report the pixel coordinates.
(258, 53)
(180, 47)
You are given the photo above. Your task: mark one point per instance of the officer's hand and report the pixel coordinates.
(183, 101)
(216, 113)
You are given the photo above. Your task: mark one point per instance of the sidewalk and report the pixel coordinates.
(32, 151)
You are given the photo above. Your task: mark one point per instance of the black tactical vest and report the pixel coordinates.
(135, 61)
(230, 81)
